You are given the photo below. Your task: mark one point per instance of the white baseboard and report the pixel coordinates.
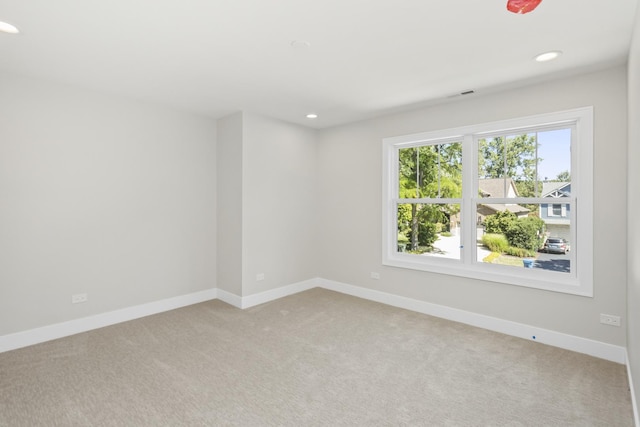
(634, 402)
(229, 298)
(274, 294)
(266, 296)
(569, 342)
(598, 349)
(64, 329)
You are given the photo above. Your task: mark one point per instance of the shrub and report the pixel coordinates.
(402, 242)
(427, 235)
(520, 252)
(525, 233)
(500, 222)
(495, 242)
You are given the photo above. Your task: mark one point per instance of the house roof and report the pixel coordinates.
(345, 60)
(516, 209)
(495, 187)
(550, 187)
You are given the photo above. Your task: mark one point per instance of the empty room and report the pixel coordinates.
(292, 213)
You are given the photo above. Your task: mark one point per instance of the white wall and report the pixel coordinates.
(229, 226)
(633, 228)
(117, 199)
(102, 196)
(350, 207)
(279, 204)
(267, 210)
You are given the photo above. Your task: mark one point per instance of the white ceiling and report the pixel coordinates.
(366, 57)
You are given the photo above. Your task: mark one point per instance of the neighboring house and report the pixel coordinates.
(498, 188)
(557, 216)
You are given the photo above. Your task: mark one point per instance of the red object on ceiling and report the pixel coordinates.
(522, 6)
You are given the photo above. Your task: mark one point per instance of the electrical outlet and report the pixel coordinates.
(375, 275)
(78, 298)
(610, 319)
(260, 276)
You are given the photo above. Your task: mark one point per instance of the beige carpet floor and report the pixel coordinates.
(317, 358)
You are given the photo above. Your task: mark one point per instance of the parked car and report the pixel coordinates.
(556, 245)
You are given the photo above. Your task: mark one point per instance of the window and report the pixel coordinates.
(482, 201)
(429, 196)
(557, 210)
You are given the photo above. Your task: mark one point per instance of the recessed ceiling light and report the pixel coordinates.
(312, 116)
(548, 56)
(8, 28)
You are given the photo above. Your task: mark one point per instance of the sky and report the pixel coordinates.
(555, 150)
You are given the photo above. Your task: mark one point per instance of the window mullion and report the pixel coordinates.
(469, 182)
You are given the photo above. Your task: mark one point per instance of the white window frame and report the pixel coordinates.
(578, 282)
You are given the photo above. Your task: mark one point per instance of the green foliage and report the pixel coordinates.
(500, 222)
(427, 234)
(495, 242)
(526, 233)
(404, 218)
(430, 171)
(425, 219)
(529, 188)
(419, 251)
(520, 233)
(512, 156)
(519, 252)
(402, 242)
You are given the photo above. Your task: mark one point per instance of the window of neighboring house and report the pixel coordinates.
(470, 201)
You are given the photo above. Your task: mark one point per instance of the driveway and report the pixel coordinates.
(449, 247)
(553, 262)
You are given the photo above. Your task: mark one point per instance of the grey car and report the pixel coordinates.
(556, 245)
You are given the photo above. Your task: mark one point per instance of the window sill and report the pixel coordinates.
(508, 275)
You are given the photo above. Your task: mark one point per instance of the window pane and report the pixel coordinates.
(507, 166)
(431, 171)
(554, 153)
(429, 229)
(526, 165)
(506, 236)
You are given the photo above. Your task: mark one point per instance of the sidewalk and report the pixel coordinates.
(449, 247)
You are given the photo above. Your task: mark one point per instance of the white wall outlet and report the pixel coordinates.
(259, 277)
(375, 275)
(78, 298)
(610, 319)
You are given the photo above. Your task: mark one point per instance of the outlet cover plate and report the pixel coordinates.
(610, 319)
